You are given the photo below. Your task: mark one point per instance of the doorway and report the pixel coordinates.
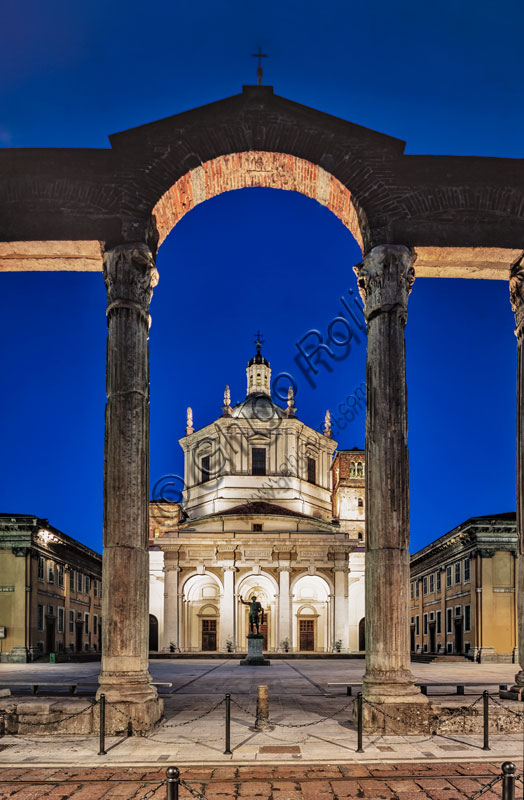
(458, 636)
(79, 636)
(362, 634)
(432, 638)
(209, 635)
(50, 635)
(306, 634)
(153, 632)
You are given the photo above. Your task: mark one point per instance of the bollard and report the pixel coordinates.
(227, 751)
(102, 701)
(172, 783)
(360, 749)
(508, 780)
(460, 688)
(262, 720)
(485, 698)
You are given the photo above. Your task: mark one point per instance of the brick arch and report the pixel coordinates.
(262, 169)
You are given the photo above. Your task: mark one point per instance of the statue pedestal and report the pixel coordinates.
(255, 657)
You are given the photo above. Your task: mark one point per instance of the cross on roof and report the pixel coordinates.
(260, 55)
(259, 341)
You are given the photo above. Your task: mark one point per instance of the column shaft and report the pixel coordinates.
(227, 608)
(516, 286)
(385, 278)
(341, 607)
(284, 607)
(130, 275)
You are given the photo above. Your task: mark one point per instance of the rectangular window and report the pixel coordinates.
(95, 624)
(449, 576)
(457, 572)
(40, 617)
(458, 611)
(41, 568)
(61, 576)
(95, 587)
(87, 584)
(431, 583)
(467, 618)
(61, 613)
(205, 469)
(257, 526)
(417, 625)
(71, 622)
(86, 623)
(439, 581)
(417, 589)
(258, 461)
(425, 585)
(449, 618)
(439, 621)
(50, 572)
(412, 590)
(466, 570)
(425, 618)
(79, 581)
(311, 470)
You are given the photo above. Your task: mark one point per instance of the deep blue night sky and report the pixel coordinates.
(446, 79)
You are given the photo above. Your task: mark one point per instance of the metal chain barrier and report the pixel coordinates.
(497, 702)
(191, 790)
(129, 717)
(315, 722)
(486, 788)
(152, 791)
(5, 718)
(194, 719)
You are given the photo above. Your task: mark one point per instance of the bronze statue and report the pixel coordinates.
(256, 614)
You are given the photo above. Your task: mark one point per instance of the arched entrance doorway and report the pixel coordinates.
(264, 589)
(201, 613)
(312, 615)
(362, 634)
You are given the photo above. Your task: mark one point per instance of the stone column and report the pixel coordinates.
(385, 278)
(171, 633)
(227, 608)
(516, 289)
(284, 608)
(341, 607)
(130, 275)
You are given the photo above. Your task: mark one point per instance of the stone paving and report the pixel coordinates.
(286, 763)
(417, 781)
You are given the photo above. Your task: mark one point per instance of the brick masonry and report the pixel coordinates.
(424, 781)
(155, 173)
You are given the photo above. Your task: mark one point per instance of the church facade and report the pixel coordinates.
(269, 509)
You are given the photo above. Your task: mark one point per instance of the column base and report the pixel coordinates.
(392, 687)
(132, 703)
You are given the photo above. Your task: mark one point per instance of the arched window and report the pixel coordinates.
(360, 502)
(259, 379)
(360, 469)
(352, 471)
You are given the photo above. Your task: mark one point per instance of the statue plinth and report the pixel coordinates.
(255, 657)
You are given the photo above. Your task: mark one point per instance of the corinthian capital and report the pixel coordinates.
(516, 294)
(385, 278)
(130, 274)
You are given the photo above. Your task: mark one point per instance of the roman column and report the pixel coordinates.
(130, 275)
(385, 278)
(284, 607)
(227, 607)
(516, 289)
(171, 604)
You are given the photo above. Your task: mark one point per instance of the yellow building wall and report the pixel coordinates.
(12, 604)
(498, 602)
